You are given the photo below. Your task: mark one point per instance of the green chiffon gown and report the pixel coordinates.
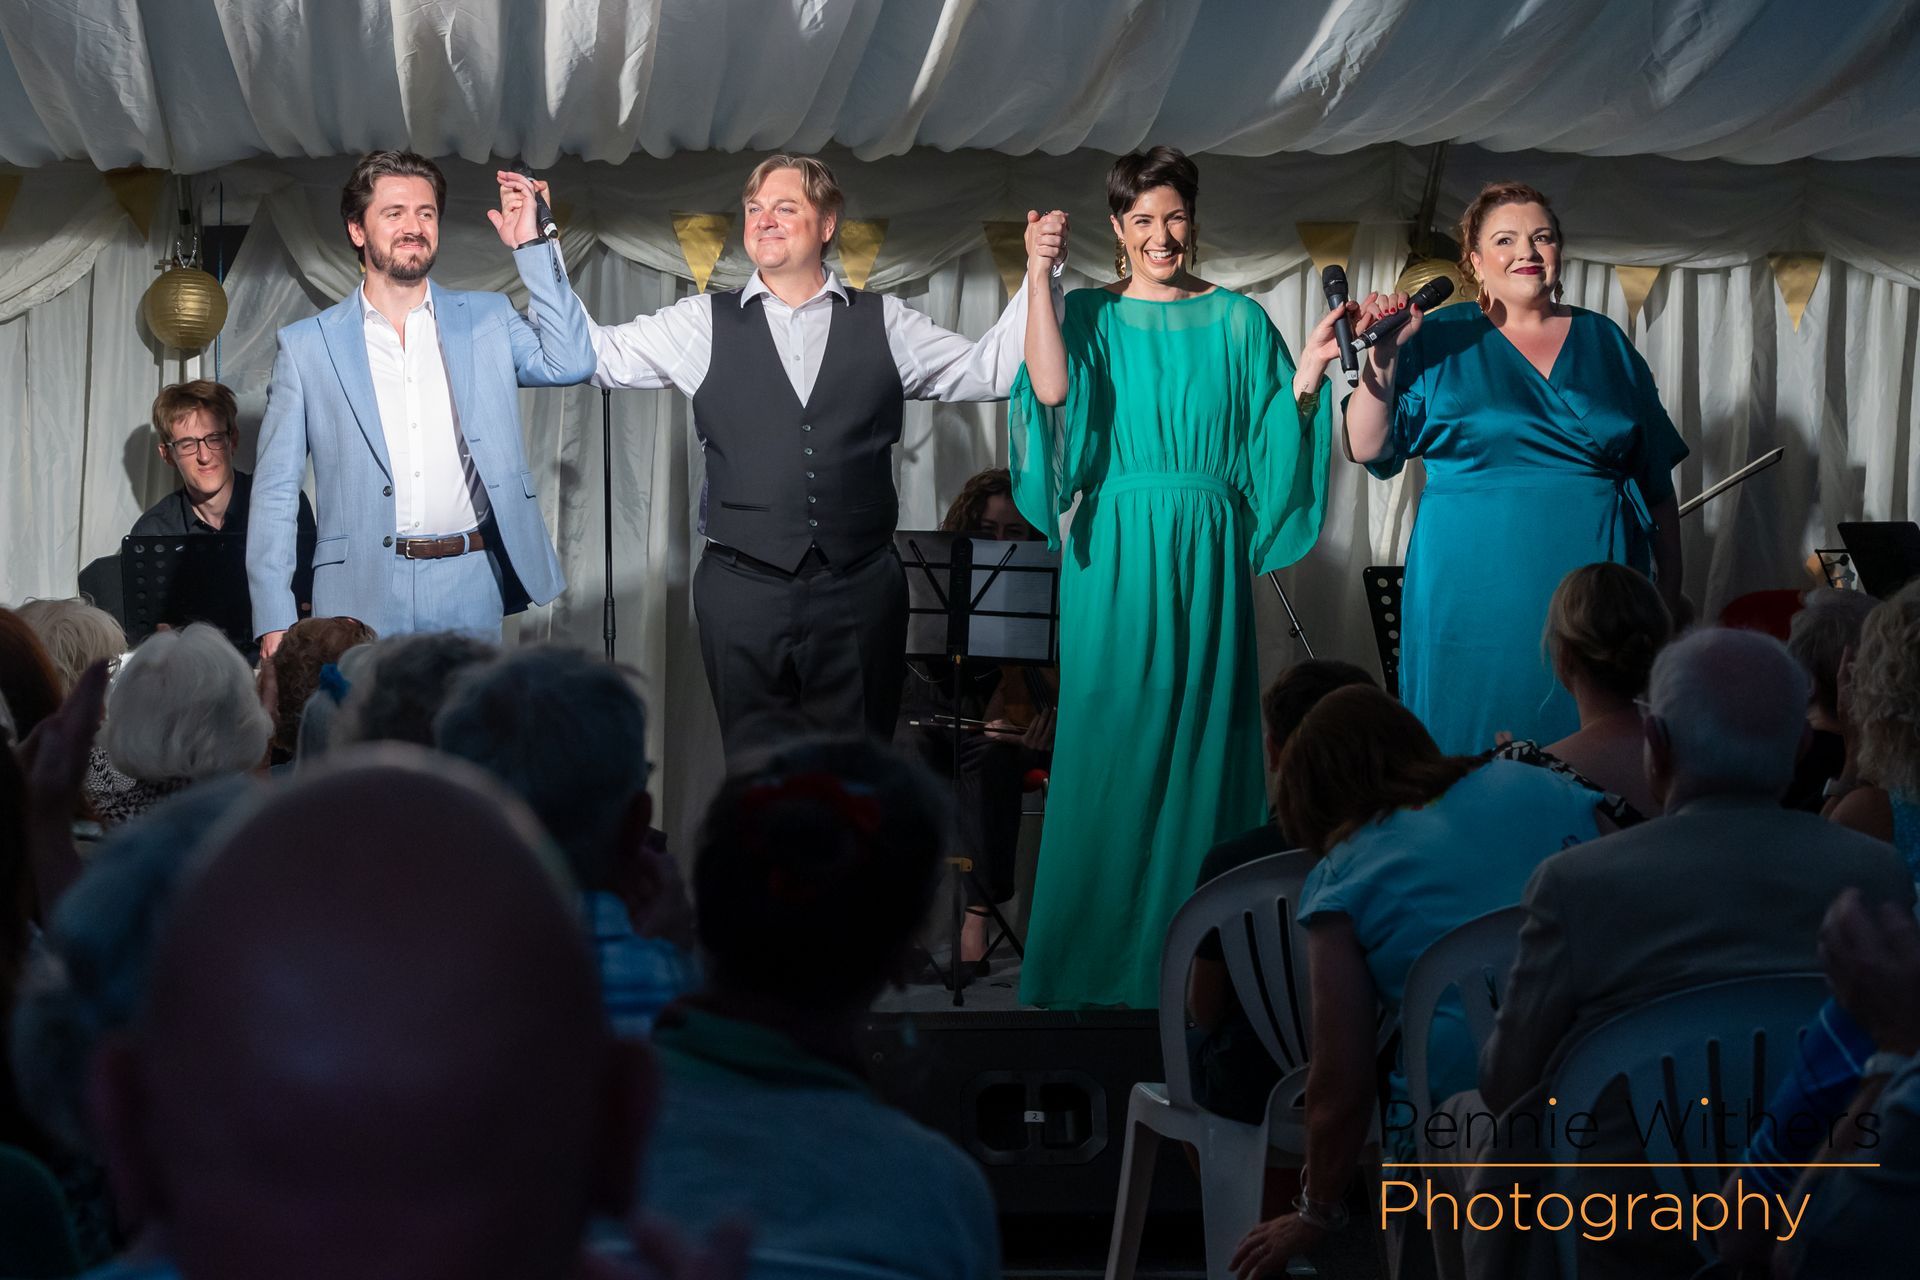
(1195, 471)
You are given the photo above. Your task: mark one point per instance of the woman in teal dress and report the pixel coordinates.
(1546, 449)
(1199, 453)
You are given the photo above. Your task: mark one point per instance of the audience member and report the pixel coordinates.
(309, 645)
(1232, 1071)
(1409, 844)
(1012, 708)
(395, 694)
(76, 635)
(1820, 636)
(320, 713)
(29, 681)
(1858, 1219)
(567, 733)
(396, 924)
(1725, 885)
(1605, 623)
(89, 979)
(1879, 789)
(182, 709)
(814, 869)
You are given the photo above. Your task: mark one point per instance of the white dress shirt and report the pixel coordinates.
(673, 347)
(436, 489)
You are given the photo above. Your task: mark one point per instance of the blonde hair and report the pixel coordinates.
(1609, 622)
(1885, 699)
(182, 398)
(184, 706)
(75, 633)
(823, 190)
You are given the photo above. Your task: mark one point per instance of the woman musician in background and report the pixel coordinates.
(1006, 714)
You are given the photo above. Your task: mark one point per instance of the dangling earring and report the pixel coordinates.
(1193, 252)
(1121, 268)
(1557, 290)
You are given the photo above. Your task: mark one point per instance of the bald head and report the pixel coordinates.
(374, 1042)
(1731, 706)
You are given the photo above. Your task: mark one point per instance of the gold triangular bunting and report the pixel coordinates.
(137, 191)
(1796, 274)
(1008, 240)
(1635, 284)
(860, 241)
(1327, 242)
(703, 238)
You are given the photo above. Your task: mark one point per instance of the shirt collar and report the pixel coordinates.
(368, 311)
(756, 286)
(747, 1048)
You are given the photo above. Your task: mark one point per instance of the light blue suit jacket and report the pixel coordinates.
(322, 403)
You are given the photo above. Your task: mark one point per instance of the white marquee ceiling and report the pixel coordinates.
(189, 85)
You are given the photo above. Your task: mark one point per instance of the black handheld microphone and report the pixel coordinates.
(542, 216)
(1430, 295)
(1334, 281)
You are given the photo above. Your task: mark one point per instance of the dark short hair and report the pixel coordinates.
(827, 848)
(1298, 690)
(1135, 174)
(182, 398)
(375, 165)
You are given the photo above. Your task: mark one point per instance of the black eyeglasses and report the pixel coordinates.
(215, 445)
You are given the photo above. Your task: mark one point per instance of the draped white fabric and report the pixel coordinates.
(188, 85)
(77, 373)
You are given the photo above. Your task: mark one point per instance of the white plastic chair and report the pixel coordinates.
(1266, 956)
(1473, 960)
(1731, 1041)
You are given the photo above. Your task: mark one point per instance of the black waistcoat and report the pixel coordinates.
(781, 475)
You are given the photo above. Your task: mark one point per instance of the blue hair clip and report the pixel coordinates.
(333, 684)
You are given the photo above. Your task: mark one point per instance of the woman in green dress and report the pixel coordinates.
(1199, 454)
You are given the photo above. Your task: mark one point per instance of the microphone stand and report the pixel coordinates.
(1295, 630)
(607, 628)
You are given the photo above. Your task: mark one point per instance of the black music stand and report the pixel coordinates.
(1384, 585)
(178, 579)
(973, 598)
(1886, 553)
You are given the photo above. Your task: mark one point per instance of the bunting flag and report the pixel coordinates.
(860, 240)
(1635, 284)
(137, 191)
(703, 238)
(1796, 274)
(1327, 242)
(1008, 240)
(9, 188)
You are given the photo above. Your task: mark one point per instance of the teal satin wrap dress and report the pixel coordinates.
(1528, 478)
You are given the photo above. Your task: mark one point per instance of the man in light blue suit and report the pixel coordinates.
(405, 396)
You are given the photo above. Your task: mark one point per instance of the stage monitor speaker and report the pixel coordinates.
(1038, 1098)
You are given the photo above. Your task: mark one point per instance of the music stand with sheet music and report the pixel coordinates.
(178, 579)
(993, 601)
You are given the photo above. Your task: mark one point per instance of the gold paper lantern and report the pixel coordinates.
(1420, 270)
(185, 308)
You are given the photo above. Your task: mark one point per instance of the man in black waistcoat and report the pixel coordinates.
(798, 384)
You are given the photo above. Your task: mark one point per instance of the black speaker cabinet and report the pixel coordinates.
(1038, 1098)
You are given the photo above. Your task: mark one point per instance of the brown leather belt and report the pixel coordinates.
(454, 544)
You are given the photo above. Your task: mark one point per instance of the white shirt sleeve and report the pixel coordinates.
(938, 364)
(673, 347)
